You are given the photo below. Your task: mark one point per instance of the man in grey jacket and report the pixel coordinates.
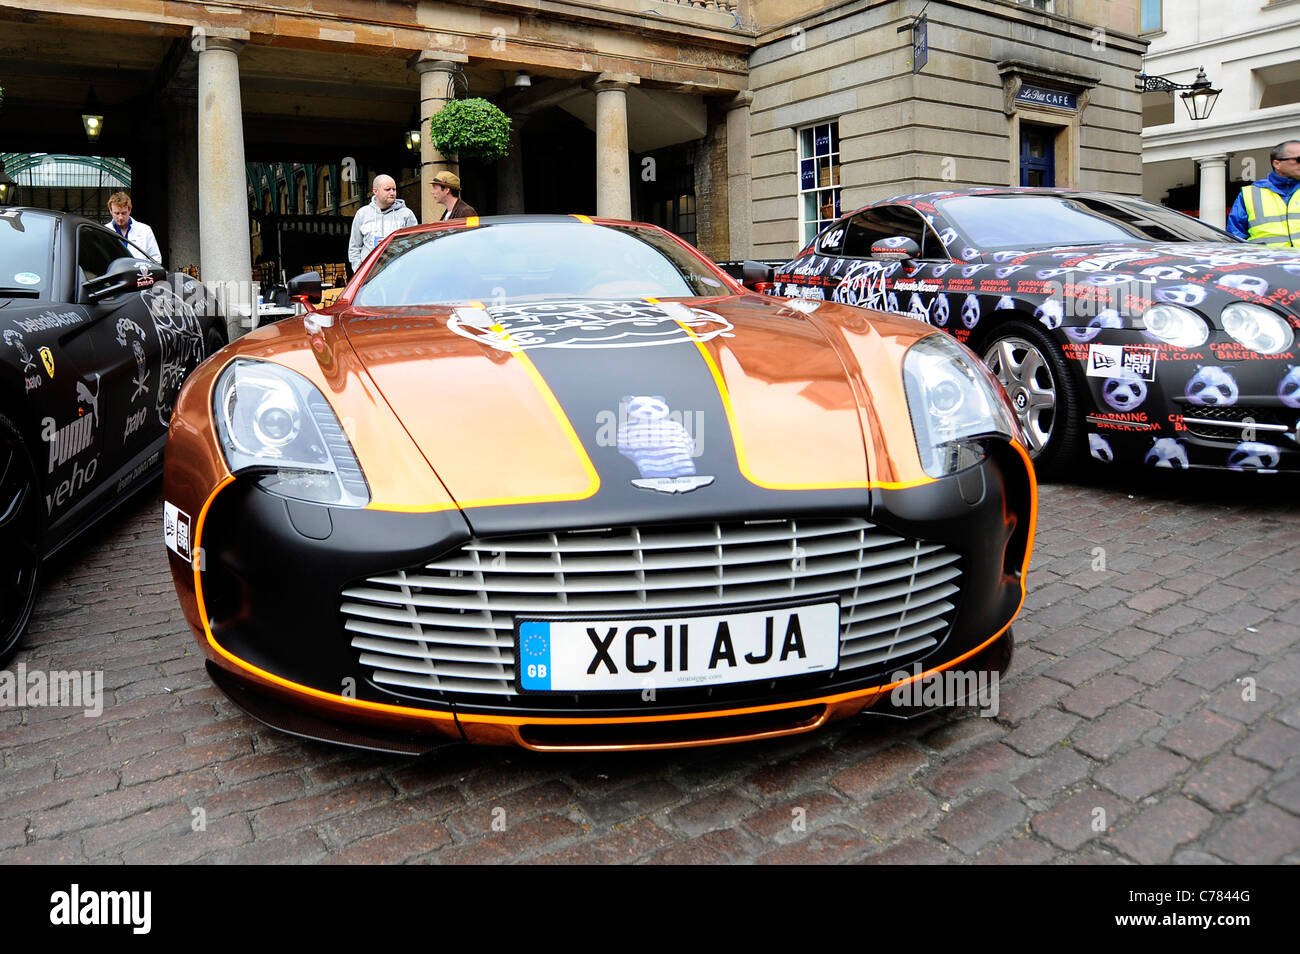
(385, 214)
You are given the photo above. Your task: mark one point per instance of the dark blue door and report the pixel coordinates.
(1037, 155)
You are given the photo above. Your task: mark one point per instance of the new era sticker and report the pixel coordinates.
(176, 530)
(1112, 361)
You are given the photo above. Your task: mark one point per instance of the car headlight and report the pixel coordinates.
(1176, 325)
(953, 401)
(1257, 328)
(274, 421)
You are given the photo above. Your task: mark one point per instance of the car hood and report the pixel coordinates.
(1198, 275)
(679, 408)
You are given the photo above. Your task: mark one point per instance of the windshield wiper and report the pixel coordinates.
(19, 292)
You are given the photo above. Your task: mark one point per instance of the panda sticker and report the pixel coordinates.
(1186, 295)
(916, 308)
(1251, 455)
(1288, 389)
(1247, 283)
(1109, 318)
(661, 447)
(1212, 385)
(970, 311)
(1125, 392)
(1109, 279)
(1050, 313)
(1167, 452)
(1100, 450)
(939, 311)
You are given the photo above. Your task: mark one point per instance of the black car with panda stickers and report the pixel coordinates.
(95, 342)
(1122, 330)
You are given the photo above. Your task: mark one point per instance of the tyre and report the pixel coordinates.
(20, 534)
(1044, 396)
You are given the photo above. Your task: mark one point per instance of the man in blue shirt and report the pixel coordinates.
(1264, 212)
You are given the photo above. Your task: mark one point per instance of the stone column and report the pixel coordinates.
(739, 207)
(613, 186)
(224, 246)
(182, 181)
(1214, 186)
(435, 69)
(510, 171)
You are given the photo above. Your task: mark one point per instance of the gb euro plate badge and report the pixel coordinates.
(677, 653)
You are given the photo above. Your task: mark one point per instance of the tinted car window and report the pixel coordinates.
(517, 262)
(1030, 221)
(871, 225)
(26, 252)
(96, 250)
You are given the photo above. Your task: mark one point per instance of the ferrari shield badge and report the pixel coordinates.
(652, 437)
(47, 358)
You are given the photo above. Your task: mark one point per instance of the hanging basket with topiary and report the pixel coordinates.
(471, 127)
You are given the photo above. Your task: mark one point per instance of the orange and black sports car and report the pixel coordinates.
(561, 483)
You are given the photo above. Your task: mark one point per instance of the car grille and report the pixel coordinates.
(448, 626)
(1232, 422)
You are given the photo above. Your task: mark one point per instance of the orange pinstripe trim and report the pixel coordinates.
(270, 676)
(871, 692)
(1033, 518)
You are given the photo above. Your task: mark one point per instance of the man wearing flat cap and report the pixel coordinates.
(446, 192)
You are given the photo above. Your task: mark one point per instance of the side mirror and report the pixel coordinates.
(757, 277)
(895, 249)
(124, 275)
(305, 288)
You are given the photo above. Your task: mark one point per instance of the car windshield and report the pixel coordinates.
(508, 262)
(26, 254)
(1024, 220)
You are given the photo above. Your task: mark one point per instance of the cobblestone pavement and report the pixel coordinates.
(1152, 714)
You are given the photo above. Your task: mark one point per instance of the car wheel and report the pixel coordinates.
(20, 528)
(1035, 377)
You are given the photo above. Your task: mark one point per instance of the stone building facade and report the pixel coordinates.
(690, 113)
(996, 75)
(1249, 50)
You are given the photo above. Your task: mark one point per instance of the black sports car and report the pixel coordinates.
(1115, 325)
(95, 341)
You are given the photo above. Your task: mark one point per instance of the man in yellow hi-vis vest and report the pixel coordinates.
(1267, 212)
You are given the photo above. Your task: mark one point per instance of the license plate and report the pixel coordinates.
(609, 655)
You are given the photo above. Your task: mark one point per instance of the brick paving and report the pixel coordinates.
(1152, 715)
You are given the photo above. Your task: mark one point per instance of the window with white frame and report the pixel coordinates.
(819, 178)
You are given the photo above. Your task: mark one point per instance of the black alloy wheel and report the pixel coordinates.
(20, 532)
(1044, 396)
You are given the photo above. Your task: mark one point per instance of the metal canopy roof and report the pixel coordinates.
(48, 170)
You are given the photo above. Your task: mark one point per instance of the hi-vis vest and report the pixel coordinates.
(1267, 214)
